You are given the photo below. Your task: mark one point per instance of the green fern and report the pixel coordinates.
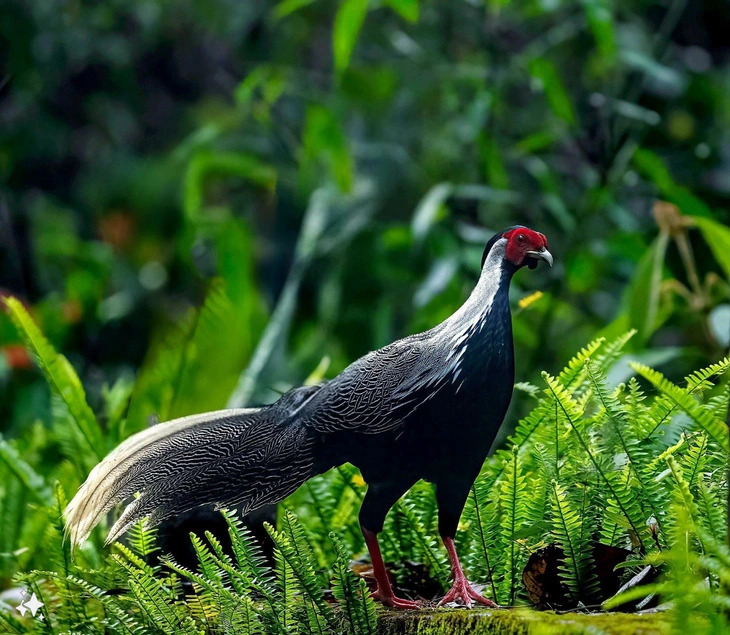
(683, 399)
(620, 495)
(297, 561)
(352, 592)
(513, 514)
(568, 531)
(62, 379)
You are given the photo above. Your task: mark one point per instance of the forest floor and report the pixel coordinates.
(518, 621)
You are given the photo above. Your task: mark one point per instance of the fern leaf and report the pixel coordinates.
(649, 492)
(481, 551)
(353, 594)
(576, 366)
(567, 529)
(621, 495)
(693, 461)
(683, 493)
(143, 538)
(154, 596)
(512, 517)
(424, 541)
(713, 515)
(60, 375)
(716, 429)
(296, 553)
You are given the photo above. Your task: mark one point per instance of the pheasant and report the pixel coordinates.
(427, 406)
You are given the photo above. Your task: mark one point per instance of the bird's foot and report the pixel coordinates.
(463, 591)
(390, 599)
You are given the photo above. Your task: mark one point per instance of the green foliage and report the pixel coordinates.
(153, 169)
(590, 463)
(353, 594)
(64, 382)
(571, 535)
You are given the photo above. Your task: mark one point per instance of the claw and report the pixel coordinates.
(463, 591)
(390, 599)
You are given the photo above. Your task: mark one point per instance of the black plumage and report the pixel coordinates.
(424, 407)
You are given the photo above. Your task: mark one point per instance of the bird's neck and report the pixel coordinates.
(489, 300)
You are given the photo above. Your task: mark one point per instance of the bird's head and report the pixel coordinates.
(523, 246)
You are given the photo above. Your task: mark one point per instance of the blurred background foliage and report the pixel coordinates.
(221, 199)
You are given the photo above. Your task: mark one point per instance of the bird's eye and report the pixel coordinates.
(520, 238)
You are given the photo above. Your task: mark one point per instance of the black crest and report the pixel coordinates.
(496, 237)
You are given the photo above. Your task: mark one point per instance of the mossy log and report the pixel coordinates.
(516, 621)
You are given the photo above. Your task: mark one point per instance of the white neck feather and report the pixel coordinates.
(479, 303)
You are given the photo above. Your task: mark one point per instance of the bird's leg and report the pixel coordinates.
(461, 589)
(384, 592)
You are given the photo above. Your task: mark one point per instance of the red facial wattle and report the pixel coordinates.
(525, 246)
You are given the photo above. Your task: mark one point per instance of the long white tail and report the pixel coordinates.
(248, 457)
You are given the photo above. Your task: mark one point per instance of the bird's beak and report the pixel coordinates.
(542, 254)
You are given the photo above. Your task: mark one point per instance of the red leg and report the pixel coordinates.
(461, 590)
(384, 592)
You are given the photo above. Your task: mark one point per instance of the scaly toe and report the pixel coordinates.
(394, 601)
(463, 591)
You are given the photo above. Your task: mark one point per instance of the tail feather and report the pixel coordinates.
(246, 456)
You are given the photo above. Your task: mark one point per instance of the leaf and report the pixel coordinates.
(644, 293)
(295, 552)
(287, 7)
(352, 592)
(348, 22)
(24, 472)
(60, 375)
(429, 209)
(325, 140)
(567, 528)
(717, 236)
(206, 164)
(545, 72)
(716, 429)
(512, 518)
(407, 9)
(600, 19)
(653, 167)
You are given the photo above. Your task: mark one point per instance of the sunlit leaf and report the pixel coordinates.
(717, 236)
(348, 22)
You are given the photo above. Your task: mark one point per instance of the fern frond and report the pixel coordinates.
(480, 553)
(683, 494)
(424, 541)
(143, 538)
(119, 618)
(60, 376)
(575, 368)
(513, 514)
(621, 495)
(291, 543)
(249, 557)
(649, 491)
(716, 429)
(353, 594)
(613, 350)
(702, 379)
(694, 459)
(567, 529)
(155, 598)
(712, 512)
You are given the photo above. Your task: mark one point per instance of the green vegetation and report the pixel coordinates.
(205, 203)
(588, 464)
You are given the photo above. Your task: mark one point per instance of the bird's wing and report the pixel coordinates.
(377, 392)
